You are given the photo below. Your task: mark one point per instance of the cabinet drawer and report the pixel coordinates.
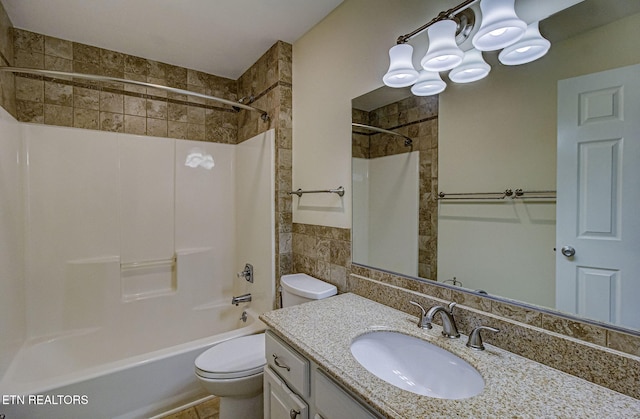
(288, 363)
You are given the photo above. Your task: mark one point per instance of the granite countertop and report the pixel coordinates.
(514, 386)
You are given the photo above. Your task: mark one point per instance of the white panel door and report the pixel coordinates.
(599, 196)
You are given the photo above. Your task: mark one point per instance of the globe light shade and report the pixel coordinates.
(529, 48)
(472, 68)
(443, 53)
(429, 83)
(500, 25)
(401, 72)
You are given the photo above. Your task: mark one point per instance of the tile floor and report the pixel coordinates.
(205, 410)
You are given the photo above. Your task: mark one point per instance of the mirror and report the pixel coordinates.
(496, 134)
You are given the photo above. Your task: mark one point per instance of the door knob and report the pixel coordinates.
(568, 251)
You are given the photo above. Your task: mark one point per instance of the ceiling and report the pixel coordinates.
(221, 37)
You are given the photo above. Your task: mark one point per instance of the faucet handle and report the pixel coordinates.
(451, 306)
(475, 339)
(423, 323)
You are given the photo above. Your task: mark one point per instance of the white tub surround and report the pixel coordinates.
(131, 249)
(514, 386)
(12, 293)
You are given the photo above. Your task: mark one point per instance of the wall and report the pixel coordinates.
(344, 57)
(255, 206)
(12, 296)
(112, 106)
(7, 88)
(389, 236)
(341, 58)
(90, 223)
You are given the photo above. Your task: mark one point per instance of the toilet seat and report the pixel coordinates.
(234, 358)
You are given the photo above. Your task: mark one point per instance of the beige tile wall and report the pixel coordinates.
(7, 80)
(269, 82)
(417, 118)
(114, 106)
(323, 252)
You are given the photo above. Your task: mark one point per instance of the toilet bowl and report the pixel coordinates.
(233, 370)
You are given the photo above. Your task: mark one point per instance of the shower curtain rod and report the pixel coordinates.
(407, 140)
(264, 115)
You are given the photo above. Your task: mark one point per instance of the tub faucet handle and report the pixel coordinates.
(247, 273)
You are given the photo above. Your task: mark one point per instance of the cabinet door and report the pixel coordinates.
(279, 401)
(333, 402)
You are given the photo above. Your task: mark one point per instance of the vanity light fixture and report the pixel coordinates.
(500, 28)
(500, 25)
(529, 48)
(443, 53)
(472, 68)
(429, 83)
(401, 72)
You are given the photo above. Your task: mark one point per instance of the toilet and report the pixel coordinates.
(233, 370)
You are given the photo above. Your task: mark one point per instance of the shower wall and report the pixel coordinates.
(415, 117)
(12, 296)
(386, 199)
(108, 213)
(150, 112)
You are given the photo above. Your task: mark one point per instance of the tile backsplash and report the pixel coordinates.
(593, 353)
(322, 252)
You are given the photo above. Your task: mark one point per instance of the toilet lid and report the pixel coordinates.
(234, 358)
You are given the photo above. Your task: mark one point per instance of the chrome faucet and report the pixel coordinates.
(449, 328)
(244, 298)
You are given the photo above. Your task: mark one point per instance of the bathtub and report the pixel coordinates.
(82, 379)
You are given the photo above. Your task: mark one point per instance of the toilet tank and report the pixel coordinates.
(301, 288)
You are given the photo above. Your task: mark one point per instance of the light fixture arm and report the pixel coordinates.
(442, 16)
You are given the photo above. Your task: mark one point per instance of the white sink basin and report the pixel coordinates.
(416, 365)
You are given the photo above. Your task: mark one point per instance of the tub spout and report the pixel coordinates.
(244, 298)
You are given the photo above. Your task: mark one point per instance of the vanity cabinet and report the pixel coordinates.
(296, 388)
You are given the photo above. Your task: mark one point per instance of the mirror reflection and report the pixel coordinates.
(502, 133)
